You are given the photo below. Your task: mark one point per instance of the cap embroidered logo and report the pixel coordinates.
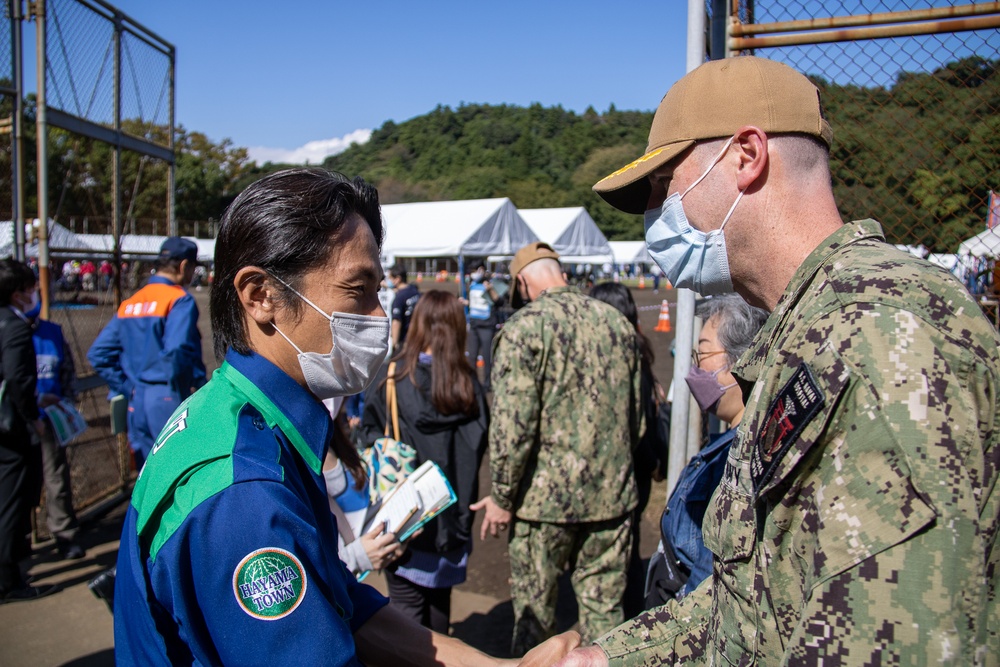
(269, 583)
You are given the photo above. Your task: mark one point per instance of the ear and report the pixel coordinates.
(751, 148)
(256, 293)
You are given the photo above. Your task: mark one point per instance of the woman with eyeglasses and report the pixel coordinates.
(682, 560)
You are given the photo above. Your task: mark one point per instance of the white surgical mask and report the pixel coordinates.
(360, 343)
(690, 258)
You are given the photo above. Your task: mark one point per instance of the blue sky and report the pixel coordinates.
(276, 76)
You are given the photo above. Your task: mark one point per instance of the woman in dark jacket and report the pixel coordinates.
(444, 416)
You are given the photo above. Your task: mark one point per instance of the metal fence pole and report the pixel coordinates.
(681, 424)
(41, 125)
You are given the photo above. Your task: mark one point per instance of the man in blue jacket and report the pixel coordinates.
(151, 351)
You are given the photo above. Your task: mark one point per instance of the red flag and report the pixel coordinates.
(993, 210)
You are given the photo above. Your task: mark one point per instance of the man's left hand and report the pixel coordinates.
(495, 520)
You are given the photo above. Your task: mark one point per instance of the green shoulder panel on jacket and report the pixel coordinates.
(197, 442)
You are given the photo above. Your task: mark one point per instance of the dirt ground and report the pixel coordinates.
(489, 569)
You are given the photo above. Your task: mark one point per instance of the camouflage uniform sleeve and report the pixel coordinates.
(637, 418)
(674, 634)
(515, 413)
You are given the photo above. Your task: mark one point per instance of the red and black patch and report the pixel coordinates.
(794, 407)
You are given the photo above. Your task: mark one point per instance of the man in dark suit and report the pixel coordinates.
(20, 430)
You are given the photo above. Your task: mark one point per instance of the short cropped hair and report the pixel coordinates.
(398, 271)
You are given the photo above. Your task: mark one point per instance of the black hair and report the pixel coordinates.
(398, 271)
(618, 296)
(15, 276)
(286, 223)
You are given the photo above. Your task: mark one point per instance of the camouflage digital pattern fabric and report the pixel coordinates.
(566, 414)
(596, 555)
(857, 519)
(674, 634)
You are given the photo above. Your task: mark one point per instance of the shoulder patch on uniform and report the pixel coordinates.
(269, 583)
(794, 407)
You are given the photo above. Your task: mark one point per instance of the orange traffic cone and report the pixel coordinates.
(420, 277)
(642, 281)
(663, 324)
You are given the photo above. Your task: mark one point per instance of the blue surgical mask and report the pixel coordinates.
(689, 257)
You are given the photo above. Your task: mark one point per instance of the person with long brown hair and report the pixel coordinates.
(444, 416)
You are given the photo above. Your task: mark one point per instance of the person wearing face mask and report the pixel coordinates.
(484, 300)
(21, 430)
(730, 324)
(856, 518)
(150, 351)
(228, 552)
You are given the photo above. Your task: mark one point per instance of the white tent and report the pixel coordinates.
(630, 252)
(983, 244)
(571, 232)
(62, 241)
(471, 228)
(65, 243)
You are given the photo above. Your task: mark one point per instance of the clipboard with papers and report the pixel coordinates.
(424, 494)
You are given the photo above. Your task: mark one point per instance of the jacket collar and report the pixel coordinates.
(749, 367)
(283, 402)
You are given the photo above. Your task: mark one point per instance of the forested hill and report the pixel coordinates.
(539, 157)
(925, 150)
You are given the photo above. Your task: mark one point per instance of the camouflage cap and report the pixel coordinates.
(712, 102)
(526, 255)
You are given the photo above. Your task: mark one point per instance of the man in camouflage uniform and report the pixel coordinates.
(563, 426)
(856, 522)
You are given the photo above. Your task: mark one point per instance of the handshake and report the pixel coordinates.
(559, 651)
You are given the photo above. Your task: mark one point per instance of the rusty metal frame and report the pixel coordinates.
(964, 18)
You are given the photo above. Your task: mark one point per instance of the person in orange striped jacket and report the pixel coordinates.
(150, 351)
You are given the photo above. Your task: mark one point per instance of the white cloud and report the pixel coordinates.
(312, 152)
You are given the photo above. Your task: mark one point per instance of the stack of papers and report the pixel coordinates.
(421, 497)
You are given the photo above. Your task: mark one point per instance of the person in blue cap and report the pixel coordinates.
(151, 351)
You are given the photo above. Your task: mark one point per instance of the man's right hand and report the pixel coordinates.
(551, 650)
(591, 656)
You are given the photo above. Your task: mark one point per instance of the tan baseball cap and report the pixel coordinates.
(712, 102)
(526, 255)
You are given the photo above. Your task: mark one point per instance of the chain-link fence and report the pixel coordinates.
(912, 90)
(103, 113)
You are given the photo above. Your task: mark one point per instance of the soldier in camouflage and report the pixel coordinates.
(564, 424)
(856, 522)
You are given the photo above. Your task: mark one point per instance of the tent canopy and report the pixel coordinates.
(570, 231)
(69, 244)
(983, 244)
(471, 227)
(630, 252)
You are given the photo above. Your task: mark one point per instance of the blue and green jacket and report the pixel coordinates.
(229, 549)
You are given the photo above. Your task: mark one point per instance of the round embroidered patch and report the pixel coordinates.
(269, 583)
